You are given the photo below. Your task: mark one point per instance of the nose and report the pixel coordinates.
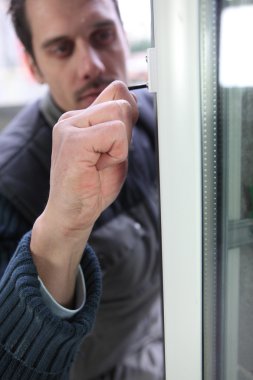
(89, 62)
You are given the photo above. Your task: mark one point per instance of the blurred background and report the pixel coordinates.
(18, 87)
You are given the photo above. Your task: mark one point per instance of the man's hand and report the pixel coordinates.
(88, 169)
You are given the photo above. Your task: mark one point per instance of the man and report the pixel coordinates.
(60, 183)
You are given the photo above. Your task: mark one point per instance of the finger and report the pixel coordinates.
(110, 141)
(69, 115)
(102, 146)
(115, 91)
(102, 113)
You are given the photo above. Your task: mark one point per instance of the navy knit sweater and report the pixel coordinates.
(35, 344)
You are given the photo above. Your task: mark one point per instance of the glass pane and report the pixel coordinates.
(227, 118)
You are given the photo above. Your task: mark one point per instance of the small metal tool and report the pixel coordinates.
(138, 86)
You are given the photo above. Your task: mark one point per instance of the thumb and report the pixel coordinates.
(118, 90)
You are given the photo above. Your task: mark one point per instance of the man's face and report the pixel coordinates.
(79, 48)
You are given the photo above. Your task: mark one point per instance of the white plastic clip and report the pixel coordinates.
(152, 70)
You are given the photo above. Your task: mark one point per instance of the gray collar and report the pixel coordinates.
(49, 109)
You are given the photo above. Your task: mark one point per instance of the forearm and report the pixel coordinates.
(12, 228)
(88, 168)
(32, 339)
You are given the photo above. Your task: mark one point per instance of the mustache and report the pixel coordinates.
(93, 84)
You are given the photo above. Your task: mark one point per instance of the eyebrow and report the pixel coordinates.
(96, 25)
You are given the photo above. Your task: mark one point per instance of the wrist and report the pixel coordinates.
(56, 253)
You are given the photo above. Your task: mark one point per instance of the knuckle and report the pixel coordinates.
(57, 130)
(60, 131)
(124, 108)
(120, 125)
(118, 85)
(66, 115)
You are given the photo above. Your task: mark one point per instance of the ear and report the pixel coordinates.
(33, 67)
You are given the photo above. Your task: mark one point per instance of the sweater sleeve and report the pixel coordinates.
(35, 344)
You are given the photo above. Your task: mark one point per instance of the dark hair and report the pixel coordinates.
(21, 24)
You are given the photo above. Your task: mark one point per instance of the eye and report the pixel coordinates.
(61, 49)
(103, 37)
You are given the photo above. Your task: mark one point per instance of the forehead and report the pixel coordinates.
(54, 16)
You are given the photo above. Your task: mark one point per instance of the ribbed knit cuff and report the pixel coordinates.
(34, 343)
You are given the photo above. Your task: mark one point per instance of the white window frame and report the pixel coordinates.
(176, 40)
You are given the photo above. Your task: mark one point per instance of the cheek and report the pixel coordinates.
(116, 60)
(62, 92)
(60, 79)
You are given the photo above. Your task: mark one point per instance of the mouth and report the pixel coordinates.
(89, 95)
